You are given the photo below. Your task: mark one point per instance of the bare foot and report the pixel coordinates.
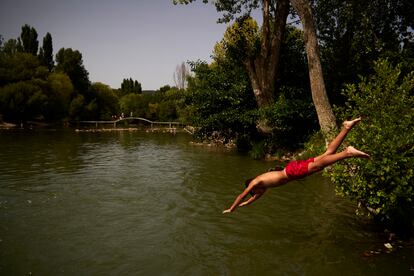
(356, 153)
(350, 124)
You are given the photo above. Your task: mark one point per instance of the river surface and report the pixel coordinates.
(132, 203)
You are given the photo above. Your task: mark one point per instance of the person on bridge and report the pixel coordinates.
(298, 169)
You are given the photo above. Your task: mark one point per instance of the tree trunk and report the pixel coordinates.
(320, 99)
(263, 68)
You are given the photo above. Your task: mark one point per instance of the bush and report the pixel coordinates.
(292, 118)
(384, 184)
(258, 150)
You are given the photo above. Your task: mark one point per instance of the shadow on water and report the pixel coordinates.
(131, 203)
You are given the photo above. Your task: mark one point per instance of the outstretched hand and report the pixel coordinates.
(227, 211)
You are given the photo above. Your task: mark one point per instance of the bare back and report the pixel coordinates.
(272, 179)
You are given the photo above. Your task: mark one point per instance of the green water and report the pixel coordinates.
(131, 203)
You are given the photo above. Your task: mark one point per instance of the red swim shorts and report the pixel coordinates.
(298, 169)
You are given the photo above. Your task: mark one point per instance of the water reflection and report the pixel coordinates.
(132, 203)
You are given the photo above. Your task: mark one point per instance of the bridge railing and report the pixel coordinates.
(114, 122)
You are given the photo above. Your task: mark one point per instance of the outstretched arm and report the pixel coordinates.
(239, 199)
(250, 200)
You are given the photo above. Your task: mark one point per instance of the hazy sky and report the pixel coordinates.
(140, 39)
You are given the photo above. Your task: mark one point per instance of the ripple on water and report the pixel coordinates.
(142, 204)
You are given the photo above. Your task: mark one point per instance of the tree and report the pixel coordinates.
(19, 67)
(46, 52)
(70, 62)
(22, 100)
(31, 91)
(104, 103)
(292, 117)
(220, 101)
(353, 34)
(59, 92)
(261, 61)
(10, 47)
(76, 107)
(134, 103)
(130, 86)
(164, 89)
(28, 91)
(181, 73)
(326, 117)
(263, 64)
(173, 105)
(29, 40)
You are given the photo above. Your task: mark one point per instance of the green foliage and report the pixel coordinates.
(130, 86)
(292, 118)
(164, 105)
(10, 47)
(133, 103)
(258, 150)
(242, 39)
(221, 100)
(102, 102)
(18, 67)
(59, 92)
(315, 145)
(353, 34)
(22, 100)
(386, 103)
(229, 8)
(46, 97)
(76, 107)
(28, 92)
(29, 40)
(32, 89)
(293, 72)
(70, 62)
(46, 52)
(171, 104)
(164, 89)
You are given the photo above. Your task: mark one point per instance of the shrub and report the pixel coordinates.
(384, 184)
(292, 118)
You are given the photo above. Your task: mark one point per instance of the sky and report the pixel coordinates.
(140, 39)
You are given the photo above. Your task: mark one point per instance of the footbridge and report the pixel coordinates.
(170, 125)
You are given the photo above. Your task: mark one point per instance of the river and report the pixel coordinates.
(132, 203)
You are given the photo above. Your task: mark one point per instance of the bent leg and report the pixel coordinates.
(335, 143)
